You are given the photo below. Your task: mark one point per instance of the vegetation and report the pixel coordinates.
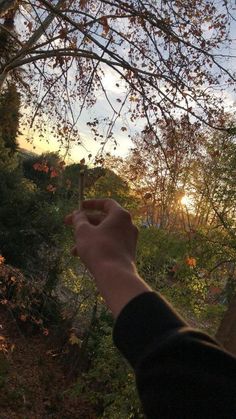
(178, 181)
(186, 250)
(176, 60)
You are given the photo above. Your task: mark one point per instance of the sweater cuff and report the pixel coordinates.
(144, 319)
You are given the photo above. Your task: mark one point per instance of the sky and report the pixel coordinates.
(101, 109)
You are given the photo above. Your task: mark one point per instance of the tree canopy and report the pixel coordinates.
(166, 58)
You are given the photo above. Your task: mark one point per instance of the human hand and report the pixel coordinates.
(104, 234)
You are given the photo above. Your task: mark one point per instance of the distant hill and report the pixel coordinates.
(25, 154)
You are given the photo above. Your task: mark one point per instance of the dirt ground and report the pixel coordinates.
(33, 381)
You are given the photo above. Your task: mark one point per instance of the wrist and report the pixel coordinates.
(118, 283)
(109, 266)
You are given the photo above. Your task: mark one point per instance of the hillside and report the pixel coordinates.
(33, 379)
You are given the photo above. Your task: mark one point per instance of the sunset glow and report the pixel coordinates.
(186, 201)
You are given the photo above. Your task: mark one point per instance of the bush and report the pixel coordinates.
(109, 383)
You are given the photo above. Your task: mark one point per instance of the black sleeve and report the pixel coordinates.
(181, 373)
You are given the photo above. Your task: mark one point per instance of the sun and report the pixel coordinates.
(186, 201)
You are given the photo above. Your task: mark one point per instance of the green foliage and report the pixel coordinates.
(211, 316)
(46, 171)
(7, 162)
(110, 185)
(33, 237)
(158, 252)
(163, 260)
(15, 205)
(192, 265)
(109, 383)
(31, 228)
(9, 117)
(33, 308)
(72, 172)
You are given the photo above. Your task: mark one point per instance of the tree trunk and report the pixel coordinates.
(5, 6)
(29, 44)
(226, 333)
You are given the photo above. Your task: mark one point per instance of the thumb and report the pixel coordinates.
(74, 251)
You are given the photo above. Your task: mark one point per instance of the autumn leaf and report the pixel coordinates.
(133, 99)
(175, 268)
(74, 340)
(191, 262)
(62, 164)
(83, 3)
(30, 25)
(104, 22)
(215, 153)
(44, 168)
(2, 260)
(53, 173)
(63, 33)
(38, 321)
(51, 188)
(46, 332)
(73, 43)
(36, 166)
(215, 290)
(87, 40)
(41, 167)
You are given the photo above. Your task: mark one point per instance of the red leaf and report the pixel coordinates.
(191, 262)
(63, 33)
(51, 188)
(83, 3)
(53, 173)
(36, 166)
(2, 259)
(104, 22)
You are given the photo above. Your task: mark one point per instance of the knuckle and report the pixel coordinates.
(75, 215)
(126, 216)
(80, 228)
(135, 229)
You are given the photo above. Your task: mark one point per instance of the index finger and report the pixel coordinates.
(72, 218)
(104, 205)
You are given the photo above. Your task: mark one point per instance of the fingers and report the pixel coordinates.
(76, 217)
(74, 251)
(68, 220)
(82, 222)
(95, 211)
(93, 218)
(79, 217)
(101, 206)
(104, 205)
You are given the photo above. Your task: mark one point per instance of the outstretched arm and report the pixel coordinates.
(105, 240)
(181, 373)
